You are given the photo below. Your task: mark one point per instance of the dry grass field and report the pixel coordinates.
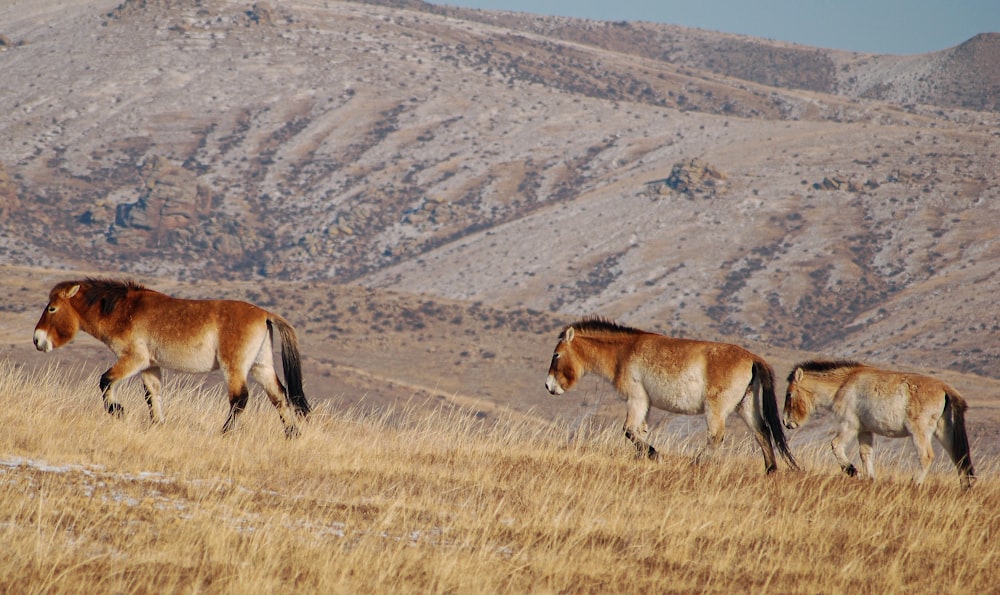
(417, 500)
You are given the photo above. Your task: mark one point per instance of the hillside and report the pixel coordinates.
(964, 77)
(430, 193)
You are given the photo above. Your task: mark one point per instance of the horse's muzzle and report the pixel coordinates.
(791, 425)
(42, 343)
(552, 385)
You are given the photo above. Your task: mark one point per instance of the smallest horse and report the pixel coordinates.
(676, 375)
(868, 401)
(149, 331)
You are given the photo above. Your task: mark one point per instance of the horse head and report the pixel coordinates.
(566, 367)
(798, 401)
(60, 320)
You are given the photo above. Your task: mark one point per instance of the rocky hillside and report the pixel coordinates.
(692, 182)
(965, 77)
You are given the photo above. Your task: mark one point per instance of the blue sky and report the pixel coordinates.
(877, 26)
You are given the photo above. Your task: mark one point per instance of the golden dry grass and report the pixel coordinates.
(439, 501)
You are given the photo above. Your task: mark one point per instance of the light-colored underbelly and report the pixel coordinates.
(684, 393)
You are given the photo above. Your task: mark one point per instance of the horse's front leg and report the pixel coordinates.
(637, 426)
(152, 380)
(127, 365)
(839, 445)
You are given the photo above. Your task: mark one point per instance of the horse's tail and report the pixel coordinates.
(959, 437)
(291, 363)
(769, 406)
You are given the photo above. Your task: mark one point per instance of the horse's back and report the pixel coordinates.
(720, 360)
(185, 313)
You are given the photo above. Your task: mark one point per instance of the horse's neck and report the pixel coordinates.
(825, 386)
(601, 355)
(96, 324)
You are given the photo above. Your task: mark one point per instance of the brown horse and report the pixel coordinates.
(676, 375)
(149, 331)
(869, 401)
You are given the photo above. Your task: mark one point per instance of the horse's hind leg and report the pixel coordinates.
(238, 396)
(922, 441)
(755, 421)
(945, 434)
(716, 423)
(278, 395)
(152, 380)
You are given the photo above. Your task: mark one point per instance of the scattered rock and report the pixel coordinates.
(691, 178)
(261, 14)
(842, 183)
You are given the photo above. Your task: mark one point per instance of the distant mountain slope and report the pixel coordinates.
(491, 157)
(966, 76)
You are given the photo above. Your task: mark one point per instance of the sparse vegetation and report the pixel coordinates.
(436, 501)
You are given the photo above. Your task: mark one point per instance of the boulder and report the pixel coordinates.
(692, 177)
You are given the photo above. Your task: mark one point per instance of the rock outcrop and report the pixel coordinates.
(691, 178)
(168, 208)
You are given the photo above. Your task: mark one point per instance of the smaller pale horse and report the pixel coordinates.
(868, 401)
(676, 375)
(149, 331)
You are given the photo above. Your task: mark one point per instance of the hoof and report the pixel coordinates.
(771, 469)
(115, 409)
(851, 470)
(292, 432)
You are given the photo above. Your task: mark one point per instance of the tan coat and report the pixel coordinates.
(868, 401)
(149, 331)
(676, 375)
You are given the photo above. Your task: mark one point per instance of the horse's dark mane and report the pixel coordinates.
(598, 324)
(821, 365)
(109, 292)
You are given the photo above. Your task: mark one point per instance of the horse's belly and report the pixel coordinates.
(684, 395)
(886, 420)
(192, 360)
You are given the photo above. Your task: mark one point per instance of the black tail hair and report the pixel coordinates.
(291, 365)
(960, 438)
(772, 419)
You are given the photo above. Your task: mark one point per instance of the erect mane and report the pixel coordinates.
(599, 325)
(822, 366)
(108, 292)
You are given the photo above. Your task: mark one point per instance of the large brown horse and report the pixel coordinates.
(149, 331)
(868, 401)
(676, 375)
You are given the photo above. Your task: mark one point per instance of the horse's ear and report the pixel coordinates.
(71, 291)
(798, 374)
(568, 335)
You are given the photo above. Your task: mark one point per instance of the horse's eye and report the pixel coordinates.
(51, 309)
